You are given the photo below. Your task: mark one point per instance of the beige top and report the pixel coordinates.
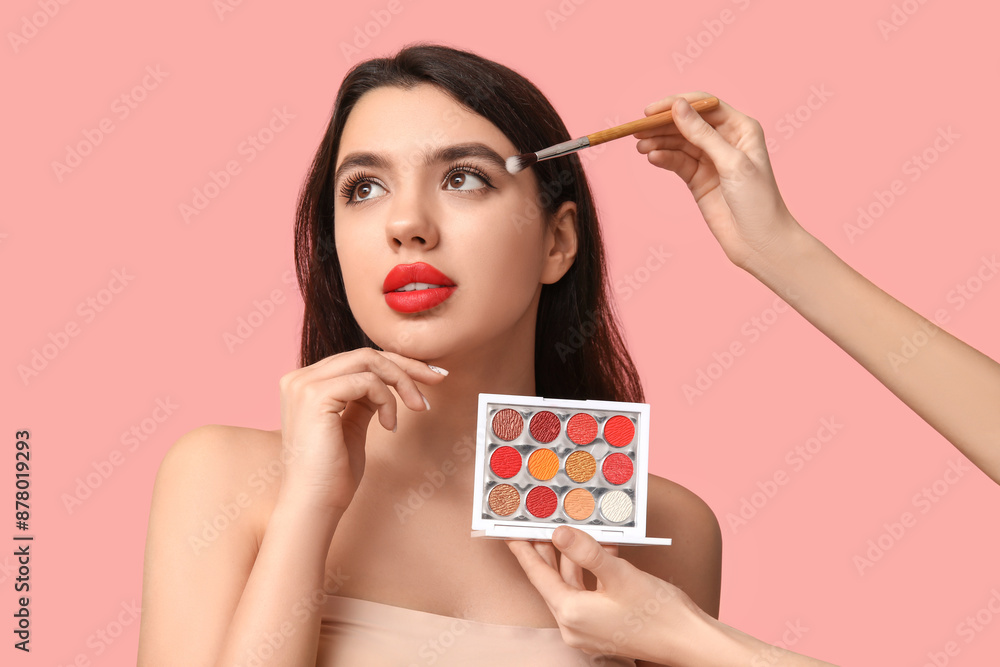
(362, 632)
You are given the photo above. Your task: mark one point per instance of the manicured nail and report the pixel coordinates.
(425, 401)
(437, 369)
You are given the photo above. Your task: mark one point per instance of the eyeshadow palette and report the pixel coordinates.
(543, 462)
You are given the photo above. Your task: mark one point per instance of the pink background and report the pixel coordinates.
(162, 336)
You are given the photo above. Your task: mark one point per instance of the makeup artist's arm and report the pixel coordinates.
(217, 595)
(633, 613)
(722, 158)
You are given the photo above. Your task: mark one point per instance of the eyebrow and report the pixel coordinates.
(443, 154)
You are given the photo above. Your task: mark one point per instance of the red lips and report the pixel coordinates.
(416, 300)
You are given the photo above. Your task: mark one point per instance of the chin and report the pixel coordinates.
(417, 341)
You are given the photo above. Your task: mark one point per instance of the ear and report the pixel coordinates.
(561, 243)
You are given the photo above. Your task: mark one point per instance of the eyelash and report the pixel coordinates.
(353, 181)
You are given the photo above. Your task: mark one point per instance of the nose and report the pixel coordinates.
(411, 221)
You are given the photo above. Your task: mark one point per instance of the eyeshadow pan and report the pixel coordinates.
(579, 504)
(508, 424)
(582, 428)
(543, 464)
(541, 501)
(504, 499)
(617, 468)
(544, 427)
(616, 506)
(580, 466)
(505, 462)
(619, 431)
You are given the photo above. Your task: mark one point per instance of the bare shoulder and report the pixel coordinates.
(671, 506)
(693, 560)
(202, 538)
(232, 471)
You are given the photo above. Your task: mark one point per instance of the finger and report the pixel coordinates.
(714, 116)
(367, 358)
(697, 130)
(677, 144)
(679, 162)
(661, 142)
(366, 391)
(417, 368)
(586, 552)
(667, 102)
(571, 572)
(547, 552)
(542, 576)
(394, 370)
(669, 130)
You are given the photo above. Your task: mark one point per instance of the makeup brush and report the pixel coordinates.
(525, 160)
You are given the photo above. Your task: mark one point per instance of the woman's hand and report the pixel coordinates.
(722, 158)
(632, 613)
(325, 411)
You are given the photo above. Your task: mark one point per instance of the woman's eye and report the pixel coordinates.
(367, 190)
(463, 180)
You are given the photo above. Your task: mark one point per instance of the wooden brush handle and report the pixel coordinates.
(656, 120)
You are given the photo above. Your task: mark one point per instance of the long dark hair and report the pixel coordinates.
(579, 349)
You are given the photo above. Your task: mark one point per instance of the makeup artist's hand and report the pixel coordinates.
(632, 613)
(325, 411)
(722, 158)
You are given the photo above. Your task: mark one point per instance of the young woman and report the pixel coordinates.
(429, 275)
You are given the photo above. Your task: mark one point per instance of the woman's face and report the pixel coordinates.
(442, 251)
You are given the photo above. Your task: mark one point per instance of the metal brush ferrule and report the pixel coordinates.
(565, 148)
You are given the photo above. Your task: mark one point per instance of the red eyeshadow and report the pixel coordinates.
(541, 501)
(505, 462)
(582, 428)
(618, 431)
(617, 468)
(544, 426)
(508, 424)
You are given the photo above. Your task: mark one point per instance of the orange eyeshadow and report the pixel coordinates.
(579, 504)
(543, 464)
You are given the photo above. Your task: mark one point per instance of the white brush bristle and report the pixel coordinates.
(514, 164)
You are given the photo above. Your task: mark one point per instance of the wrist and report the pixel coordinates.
(708, 642)
(688, 637)
(777, 264)
(306, 514)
